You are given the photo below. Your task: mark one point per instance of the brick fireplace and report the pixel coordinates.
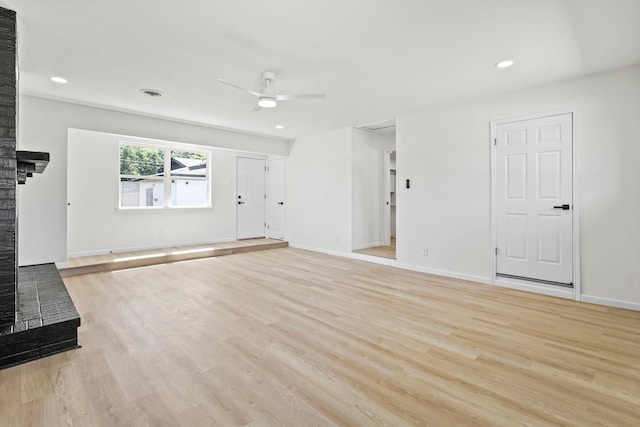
(8, 183)
(37, 316)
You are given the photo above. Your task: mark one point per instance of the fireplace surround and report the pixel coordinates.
(37, 316)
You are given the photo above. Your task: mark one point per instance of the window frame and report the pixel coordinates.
(167, 177)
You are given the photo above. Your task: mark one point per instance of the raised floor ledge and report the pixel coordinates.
(125, 260)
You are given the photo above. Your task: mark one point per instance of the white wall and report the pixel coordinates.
(43, 126)
(367, 169)
(319, 191)
(446, 154)
(96, 225)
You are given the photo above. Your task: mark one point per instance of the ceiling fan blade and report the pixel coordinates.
(302, 96)
(239, 87)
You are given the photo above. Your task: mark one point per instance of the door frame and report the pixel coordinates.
(524, 285)
(235, 196)
(386, 198)
(284, 196)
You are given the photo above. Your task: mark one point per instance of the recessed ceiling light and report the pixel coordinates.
(505, 64)
(58, 79)
(151, 92)
(279, 127)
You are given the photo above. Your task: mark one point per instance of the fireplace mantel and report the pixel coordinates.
(30, 162)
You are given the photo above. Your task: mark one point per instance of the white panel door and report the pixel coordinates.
(534, 199)
(386, 197)
(275, 198)
(250, 198)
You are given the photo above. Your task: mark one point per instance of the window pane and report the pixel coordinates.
(136, 192)
(188, 192)
(188, 164)
(142, 161)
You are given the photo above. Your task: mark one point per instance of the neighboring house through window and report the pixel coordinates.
(145, 183)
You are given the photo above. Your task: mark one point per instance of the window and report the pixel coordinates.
(189, 183)
(144, 182)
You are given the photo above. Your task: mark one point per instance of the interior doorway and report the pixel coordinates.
(534, 224)
(374, 190)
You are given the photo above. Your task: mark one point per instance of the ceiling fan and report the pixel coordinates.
(267, 98)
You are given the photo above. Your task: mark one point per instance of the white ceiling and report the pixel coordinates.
(375, 59)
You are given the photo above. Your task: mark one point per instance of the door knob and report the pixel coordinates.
(563, 207)
(281, 203)
(240, 203)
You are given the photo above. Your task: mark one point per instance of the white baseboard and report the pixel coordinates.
(314, 249)
(610, 302)
(538, 288)
(142, 248)
(394, 263)
(445, 273)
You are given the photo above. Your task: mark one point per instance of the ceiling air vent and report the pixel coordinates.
(151, 92)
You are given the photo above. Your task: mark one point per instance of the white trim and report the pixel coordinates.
(539, 288)
(394, 263)
(577, 283)
(268, 189)
(492, 197)
(253, 156)
(446, 273)
(610, 302)
(532, 116)
(575, 292)
(386, 198)
(145, 248)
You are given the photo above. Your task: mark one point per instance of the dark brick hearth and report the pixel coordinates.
(46, 320)
(37, 316)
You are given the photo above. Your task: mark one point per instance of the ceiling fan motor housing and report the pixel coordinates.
(268, 75)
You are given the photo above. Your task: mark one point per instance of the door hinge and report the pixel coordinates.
(496, 251)
(265, 224)
(495, 141)
(265, 196)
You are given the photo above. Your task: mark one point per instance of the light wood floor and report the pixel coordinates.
(381, 251)
(289, 337)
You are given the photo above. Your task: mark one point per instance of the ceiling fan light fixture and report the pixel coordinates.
(267, 102)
